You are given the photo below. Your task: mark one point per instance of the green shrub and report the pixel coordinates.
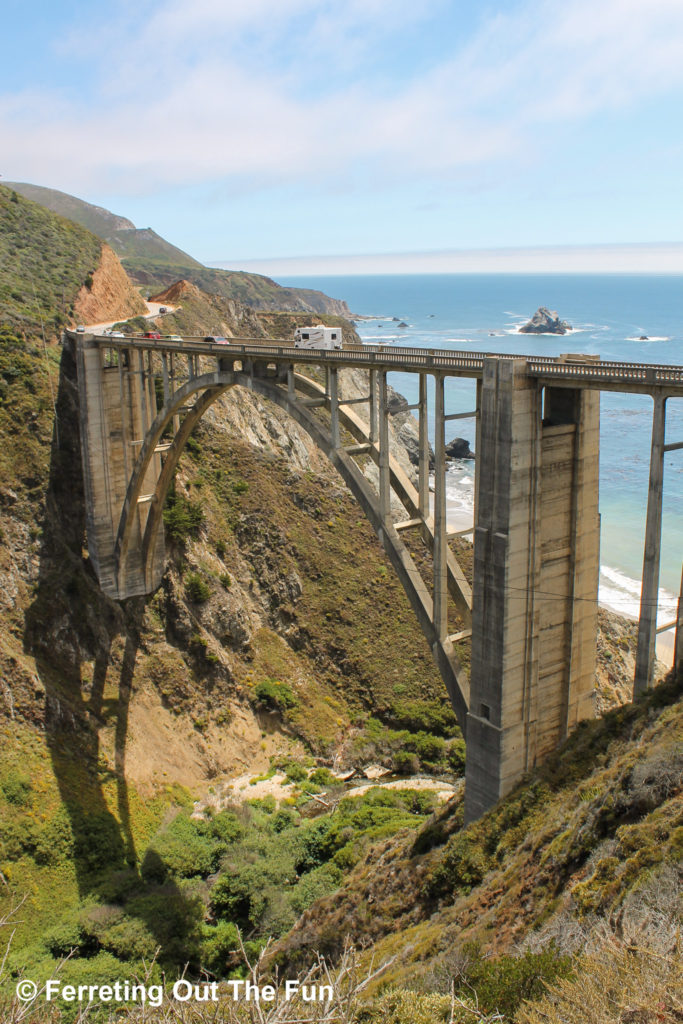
(16, 788)
(219, 943)
(18, 835)
(267, 804)
(427, 716)
(430, 749)
(224, 826)
(313, 886)
(276, 695)
(174, 913)
(183, 518)
(295, 772)
(55, 841)
(66, 937)
(323, 777)
(193, 446)
(463, 865)
(111, 929)
(405, 762)
(183, 850)
(97, 842)
(501, 984)
(455, 755)
(196, 588)
(283, 819)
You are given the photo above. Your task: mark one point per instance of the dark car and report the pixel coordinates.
(216, 339)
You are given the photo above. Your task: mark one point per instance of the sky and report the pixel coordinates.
(271, 129)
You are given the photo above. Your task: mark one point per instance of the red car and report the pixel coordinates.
(153, 334)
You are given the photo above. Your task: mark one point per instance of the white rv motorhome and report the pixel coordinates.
(318, 337)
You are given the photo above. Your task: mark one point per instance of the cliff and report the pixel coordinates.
(108, 293)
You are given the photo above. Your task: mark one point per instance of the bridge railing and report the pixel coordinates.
(416, 359)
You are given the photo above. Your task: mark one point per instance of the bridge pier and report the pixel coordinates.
(440, 589)
(117, 407)
(647, 621)
(536, 562)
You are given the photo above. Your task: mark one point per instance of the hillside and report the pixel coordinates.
(166, 763)
(54, 273)
(116, 717)
(154, 263)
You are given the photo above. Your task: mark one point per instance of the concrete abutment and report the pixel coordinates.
(536, 565)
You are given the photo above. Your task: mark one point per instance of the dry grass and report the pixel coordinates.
(619, 984)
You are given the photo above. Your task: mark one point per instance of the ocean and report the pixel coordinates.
(609, 314)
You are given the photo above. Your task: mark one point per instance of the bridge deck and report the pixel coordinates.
(550, 370)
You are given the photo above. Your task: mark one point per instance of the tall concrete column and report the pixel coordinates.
(477, 442)
(536, 562)
(164, 372)
(678, 640)
(174, 386)
(374, 427)
(423, 451)
(334, 405)
(384, 469)
(647, 623)
(440, 544)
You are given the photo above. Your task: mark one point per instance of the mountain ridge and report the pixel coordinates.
(154, 263)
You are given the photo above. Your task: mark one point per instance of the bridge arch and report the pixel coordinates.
(209, 388)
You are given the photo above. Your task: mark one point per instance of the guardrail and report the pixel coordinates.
(413, 359)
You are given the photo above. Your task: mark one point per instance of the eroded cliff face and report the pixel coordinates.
(111, 294)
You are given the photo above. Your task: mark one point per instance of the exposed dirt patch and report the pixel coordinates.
(111, 293)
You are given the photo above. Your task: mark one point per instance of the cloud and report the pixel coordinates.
(281, 91)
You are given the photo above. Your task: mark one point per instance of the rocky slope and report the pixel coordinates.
(109, 294)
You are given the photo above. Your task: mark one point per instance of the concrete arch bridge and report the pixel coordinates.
(531, 612)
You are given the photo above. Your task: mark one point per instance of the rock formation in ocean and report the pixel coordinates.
(545, 321)
(459, 448)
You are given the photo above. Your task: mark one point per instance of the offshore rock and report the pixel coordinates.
(545, 321)
(459, 448)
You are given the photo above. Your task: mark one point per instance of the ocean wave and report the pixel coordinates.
(621, 594)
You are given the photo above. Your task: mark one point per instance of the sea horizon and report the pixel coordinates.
(637, 258)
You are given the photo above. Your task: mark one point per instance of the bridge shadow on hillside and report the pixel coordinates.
(85, 648)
